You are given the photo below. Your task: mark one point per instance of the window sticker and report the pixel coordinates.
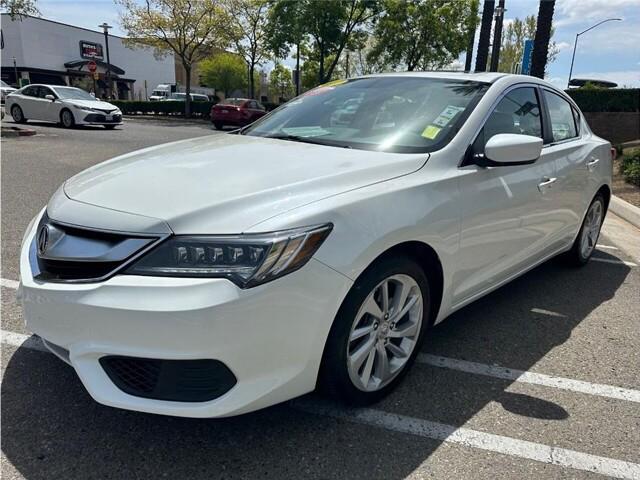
(431, 132)
(447, 115)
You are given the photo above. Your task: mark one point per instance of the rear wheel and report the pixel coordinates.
(377, 332)
(66, 119)
(18, 116)
(586, 241)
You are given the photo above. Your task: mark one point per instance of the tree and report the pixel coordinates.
(485, 35)
(513, 43)
(542, 38)
(19, 8)
(328, 25)
(421, 34)
(225, 72)
(280, 83)
(191, 29)
(247, 29)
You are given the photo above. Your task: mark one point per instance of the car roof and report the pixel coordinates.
(485, 77)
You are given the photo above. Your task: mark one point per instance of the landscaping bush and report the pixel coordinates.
(606, 99)
(630, 167)
(133, 107)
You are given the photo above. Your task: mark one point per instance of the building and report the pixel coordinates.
(45, 51)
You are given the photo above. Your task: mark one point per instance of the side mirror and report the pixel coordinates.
(50, 97)
(507, 149)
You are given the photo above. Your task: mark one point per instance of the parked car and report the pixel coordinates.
(237, 112)
(181, 97)
(5, 89)
(68, 106)
(222, 274)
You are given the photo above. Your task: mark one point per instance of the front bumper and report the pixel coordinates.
(271, 337)
(88, 118)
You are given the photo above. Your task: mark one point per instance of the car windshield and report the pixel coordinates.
(389, 113)
(233, 101)
(70, 93)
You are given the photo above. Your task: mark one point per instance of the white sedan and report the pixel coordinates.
(219, 275)
(68, 106)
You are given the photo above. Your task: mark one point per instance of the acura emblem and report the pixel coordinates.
(43, 239)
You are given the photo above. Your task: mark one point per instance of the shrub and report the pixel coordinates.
(630, 167)
(129, 107)
(606, 99)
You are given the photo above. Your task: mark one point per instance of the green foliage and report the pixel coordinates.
(630, 167)
(128, 107)
(421, 34)
(606, 99)
(327, 26)
(513, 39)
(19, 8)
(280, 82)
(226, 72)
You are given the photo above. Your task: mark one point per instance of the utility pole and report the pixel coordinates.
(497, 36)
(15, 72)
(485, 34)
(298, 69)
(105, 28)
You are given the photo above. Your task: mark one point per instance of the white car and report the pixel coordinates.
(68, 106)
(5, 89)
(219, 275)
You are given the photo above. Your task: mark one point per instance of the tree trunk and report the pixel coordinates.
(187, 90)
(543, 36)
(469, 56)
(298, 69)
(485, 34)
(252, 87)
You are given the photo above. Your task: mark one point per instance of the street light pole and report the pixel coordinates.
(15, 72)
(105, 29)
(575, 43)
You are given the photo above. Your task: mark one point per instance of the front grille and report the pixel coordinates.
(69, 253)
(100, 118)
(172, 380)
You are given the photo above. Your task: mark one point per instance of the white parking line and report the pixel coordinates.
(615, 261)
(5, 282)
(521, 376)
(475, 439)
(437, 431)
(548, 312)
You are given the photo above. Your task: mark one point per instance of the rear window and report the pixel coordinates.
(234, 101)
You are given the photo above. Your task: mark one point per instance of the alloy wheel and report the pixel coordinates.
(591, 229)
(67, 119)
(385, 332)
(16, 113)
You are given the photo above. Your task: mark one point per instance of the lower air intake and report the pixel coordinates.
(173, 380)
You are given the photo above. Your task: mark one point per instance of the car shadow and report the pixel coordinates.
(52, 428)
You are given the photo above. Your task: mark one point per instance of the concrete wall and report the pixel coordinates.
(617, 127)
(44, 44)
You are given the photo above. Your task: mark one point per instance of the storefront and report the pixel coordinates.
(36, 50)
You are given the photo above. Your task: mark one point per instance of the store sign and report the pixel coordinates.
(91, 50)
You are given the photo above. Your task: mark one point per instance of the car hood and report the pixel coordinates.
(227, 183)
(91, 104)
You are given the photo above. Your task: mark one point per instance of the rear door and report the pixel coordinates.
(48, 110)
(506, 211)
(28, 102)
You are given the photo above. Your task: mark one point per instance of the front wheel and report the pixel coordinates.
(218, 125)
(585, 243)
(67, 120)
(377, 332)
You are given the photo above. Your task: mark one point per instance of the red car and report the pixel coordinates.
(237, 112)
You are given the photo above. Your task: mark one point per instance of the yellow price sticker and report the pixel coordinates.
(333, 83)
(431, 132)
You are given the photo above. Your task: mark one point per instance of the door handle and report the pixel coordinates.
(591, 164)
(546, 183)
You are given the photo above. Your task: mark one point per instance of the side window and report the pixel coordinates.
(563, 125)
(576, 118)
(518, 112)
(30, 91)
(44, 91)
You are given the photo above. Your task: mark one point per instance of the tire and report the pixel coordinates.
(66, 119)
(585, 243)
(109, 127)
(351, 385)
(17, 114)
(218, 125)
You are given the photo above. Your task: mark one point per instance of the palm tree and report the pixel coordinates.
(543, 36)
(485, 35)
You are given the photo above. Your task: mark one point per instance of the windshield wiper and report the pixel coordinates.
(295, 138)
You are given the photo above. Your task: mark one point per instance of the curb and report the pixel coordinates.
(16, 132)
(625, 210)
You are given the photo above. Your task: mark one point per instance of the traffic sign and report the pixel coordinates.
(92, 66)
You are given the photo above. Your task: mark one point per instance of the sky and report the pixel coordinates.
(608, 52)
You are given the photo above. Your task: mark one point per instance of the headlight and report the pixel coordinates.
(246, 260)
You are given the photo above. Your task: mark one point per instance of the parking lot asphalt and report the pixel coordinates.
(539, 379)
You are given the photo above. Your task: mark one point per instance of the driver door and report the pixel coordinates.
(47, 109)
(506, 211)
